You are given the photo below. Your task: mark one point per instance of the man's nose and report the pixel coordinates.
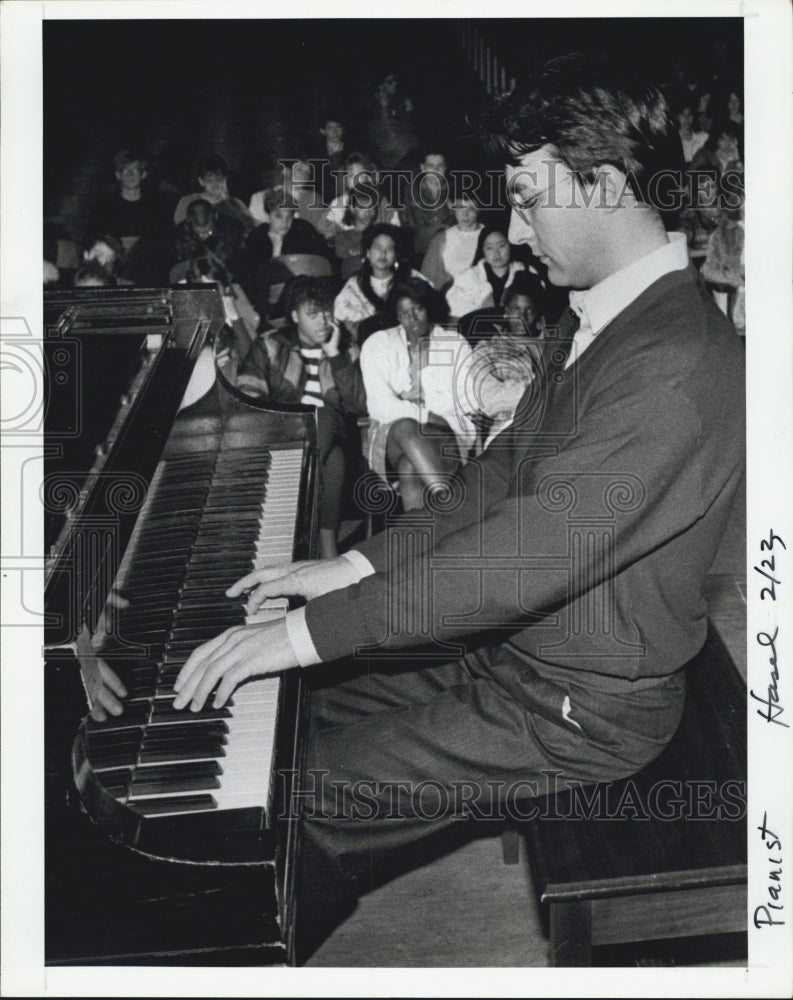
(520, 230)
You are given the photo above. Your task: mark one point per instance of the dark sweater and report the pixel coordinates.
(637, 455)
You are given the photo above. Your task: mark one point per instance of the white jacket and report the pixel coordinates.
(385, 366)
(471, 289)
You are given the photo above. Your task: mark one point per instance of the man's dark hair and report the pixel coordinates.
(200, 212)
(211, 163)
(422, 293)
(124, 157)
(593, 113)
(528, 284)
(304, 289)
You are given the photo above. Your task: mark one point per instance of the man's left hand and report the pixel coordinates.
(231, 658)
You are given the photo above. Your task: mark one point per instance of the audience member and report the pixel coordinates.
(301, 183)
(452, 251)
(483, 285)
(331, 152)
(347, 245)
(284, 234)
(108, 252)
(692, 141)
(212, 173)
(360, 174)
(307, 362)
(426, 208)
(369, 296)
(415, 378)
(206, 232)
(131, 212)
(391, 124)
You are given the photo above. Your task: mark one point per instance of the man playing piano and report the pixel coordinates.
(541, 621)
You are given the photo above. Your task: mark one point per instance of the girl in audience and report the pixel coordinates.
(722, 148)
(370, 294)
(452, 251)
(483, 285)
(347, 245)
(359, 174)
(724, 264)
(415, 378)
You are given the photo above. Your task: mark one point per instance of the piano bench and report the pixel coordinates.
(659, 855)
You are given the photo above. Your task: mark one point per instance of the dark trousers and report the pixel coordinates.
(335, 444)
(402, 759)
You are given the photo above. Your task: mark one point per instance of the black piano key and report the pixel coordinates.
(212, 728)
(136, 715)
(117, 781)
(170, 752)
(176, 778)
(180, 803)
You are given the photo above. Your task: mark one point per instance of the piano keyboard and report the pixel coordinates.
(204, 525)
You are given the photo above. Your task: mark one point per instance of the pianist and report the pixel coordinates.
(562, 589)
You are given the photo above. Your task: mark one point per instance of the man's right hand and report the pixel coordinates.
(308, 579)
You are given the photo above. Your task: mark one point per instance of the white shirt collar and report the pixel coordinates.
(597, 306)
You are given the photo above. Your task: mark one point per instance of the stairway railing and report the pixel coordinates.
(484, 61)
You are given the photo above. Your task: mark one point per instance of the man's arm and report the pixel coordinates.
(477, 570)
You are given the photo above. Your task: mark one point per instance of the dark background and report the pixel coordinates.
(255, 90)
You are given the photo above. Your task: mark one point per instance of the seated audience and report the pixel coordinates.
(734, 107)
(483, 285)
(368, 297)
(426, 208)
(452, 251)
(415, 378)
(347, 245)
(212, 173)
(307, 362)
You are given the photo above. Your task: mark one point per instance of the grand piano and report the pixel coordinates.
(170, 837)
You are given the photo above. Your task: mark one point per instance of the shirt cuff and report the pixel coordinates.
(300, 638)
(360, 563)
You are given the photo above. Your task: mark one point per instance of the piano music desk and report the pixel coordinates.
(608, 881)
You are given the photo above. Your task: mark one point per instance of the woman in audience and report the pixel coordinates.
(734, 107)
(483, 285)
(369, 295)
(415, 378)
(452, 251)
(347, 245)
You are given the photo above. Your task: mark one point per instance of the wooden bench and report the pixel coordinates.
(639, 876)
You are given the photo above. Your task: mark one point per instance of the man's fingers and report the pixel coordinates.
(182, 683)
(111, 679)
(259, 576)
(108, 701)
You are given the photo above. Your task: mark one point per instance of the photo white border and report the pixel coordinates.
(769, 266)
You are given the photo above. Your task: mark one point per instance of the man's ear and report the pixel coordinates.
(294, 316)
(614, 190)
